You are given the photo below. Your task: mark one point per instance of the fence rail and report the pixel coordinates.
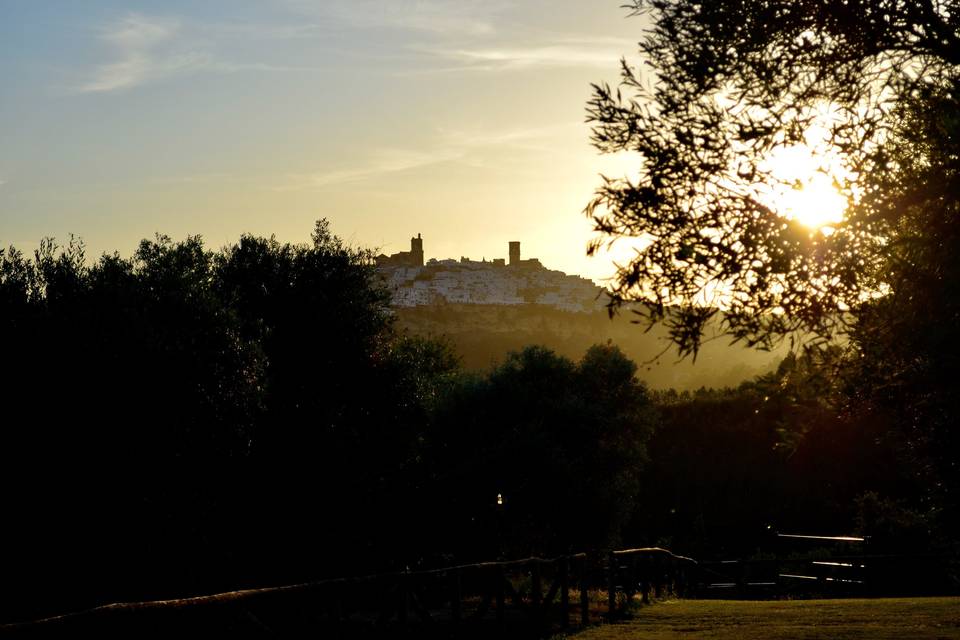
(827, 575)
(525, 598)
(528, 597)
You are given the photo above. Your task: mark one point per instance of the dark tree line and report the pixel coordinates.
(730, 468)
(562, 443)
(188, 420)
(172, 418)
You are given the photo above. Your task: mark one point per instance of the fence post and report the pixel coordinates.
(659, 575)
(404, 588)
(501, 578)
(742, 578)
(335, 599)
(455, 595)
(645, 581)
(535, 593)
(584, 592)
(612, 583)
(564, 593)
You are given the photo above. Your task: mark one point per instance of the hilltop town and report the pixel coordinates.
(497, 282)
(489, 308)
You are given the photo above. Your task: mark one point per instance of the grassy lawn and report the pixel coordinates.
(877, 619)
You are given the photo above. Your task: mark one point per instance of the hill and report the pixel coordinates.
(484, 334)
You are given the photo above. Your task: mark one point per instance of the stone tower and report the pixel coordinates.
(416, 250)
(514, 252)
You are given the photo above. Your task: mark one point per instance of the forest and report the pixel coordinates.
(187, 421)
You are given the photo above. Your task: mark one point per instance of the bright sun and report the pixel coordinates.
(807, 191)
(806, 177)
(815, 203)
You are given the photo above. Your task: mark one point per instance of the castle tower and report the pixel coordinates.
(416, 250)
(514, 252)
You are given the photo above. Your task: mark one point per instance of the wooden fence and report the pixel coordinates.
(832, 575)
(532, 597)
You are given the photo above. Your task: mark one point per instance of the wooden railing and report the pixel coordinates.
(521, 598)
(642, 571)
(826, 576)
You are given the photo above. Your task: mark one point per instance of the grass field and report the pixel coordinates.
(875, 619)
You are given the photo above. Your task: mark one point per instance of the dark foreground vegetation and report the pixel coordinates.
(188, 421)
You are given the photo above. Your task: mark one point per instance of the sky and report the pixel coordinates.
(463, 121)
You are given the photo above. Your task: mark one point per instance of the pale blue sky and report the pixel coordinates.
(463, 121)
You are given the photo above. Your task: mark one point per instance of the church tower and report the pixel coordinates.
(416, 250)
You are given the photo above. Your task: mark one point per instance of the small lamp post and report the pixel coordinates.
(498, 507)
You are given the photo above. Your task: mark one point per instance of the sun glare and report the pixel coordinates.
(806, 179)
(815, 204)
(805, 188)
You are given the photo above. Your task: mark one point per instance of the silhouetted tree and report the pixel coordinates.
(729, 84)
(122, 376)
(732, 83)
(905, 348)
(187, 420)
(730, 467)
(563, 443)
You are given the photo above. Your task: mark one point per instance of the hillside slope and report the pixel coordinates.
(484, 334)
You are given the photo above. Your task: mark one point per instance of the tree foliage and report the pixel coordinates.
(730, 467)
(904, 347)
(189, 420)
(562, 442)
(218, 419)
(727, 85)
(873, 86)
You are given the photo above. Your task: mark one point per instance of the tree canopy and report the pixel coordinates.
(870, 86)
(195, 420)
(555, 438)
(199, 404)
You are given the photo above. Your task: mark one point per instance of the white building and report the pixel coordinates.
(491, 283)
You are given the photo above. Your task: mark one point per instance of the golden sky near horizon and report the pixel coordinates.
(463, 122)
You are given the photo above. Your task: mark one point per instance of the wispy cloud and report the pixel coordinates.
(534, 138)
(198, 178)
(138, 32)
(137, 40)
(566, 53)
(147, 48)
(464, 17)
(381, 162)
(118, 75)
(256, 31)
(150, 48)
(469, 147)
